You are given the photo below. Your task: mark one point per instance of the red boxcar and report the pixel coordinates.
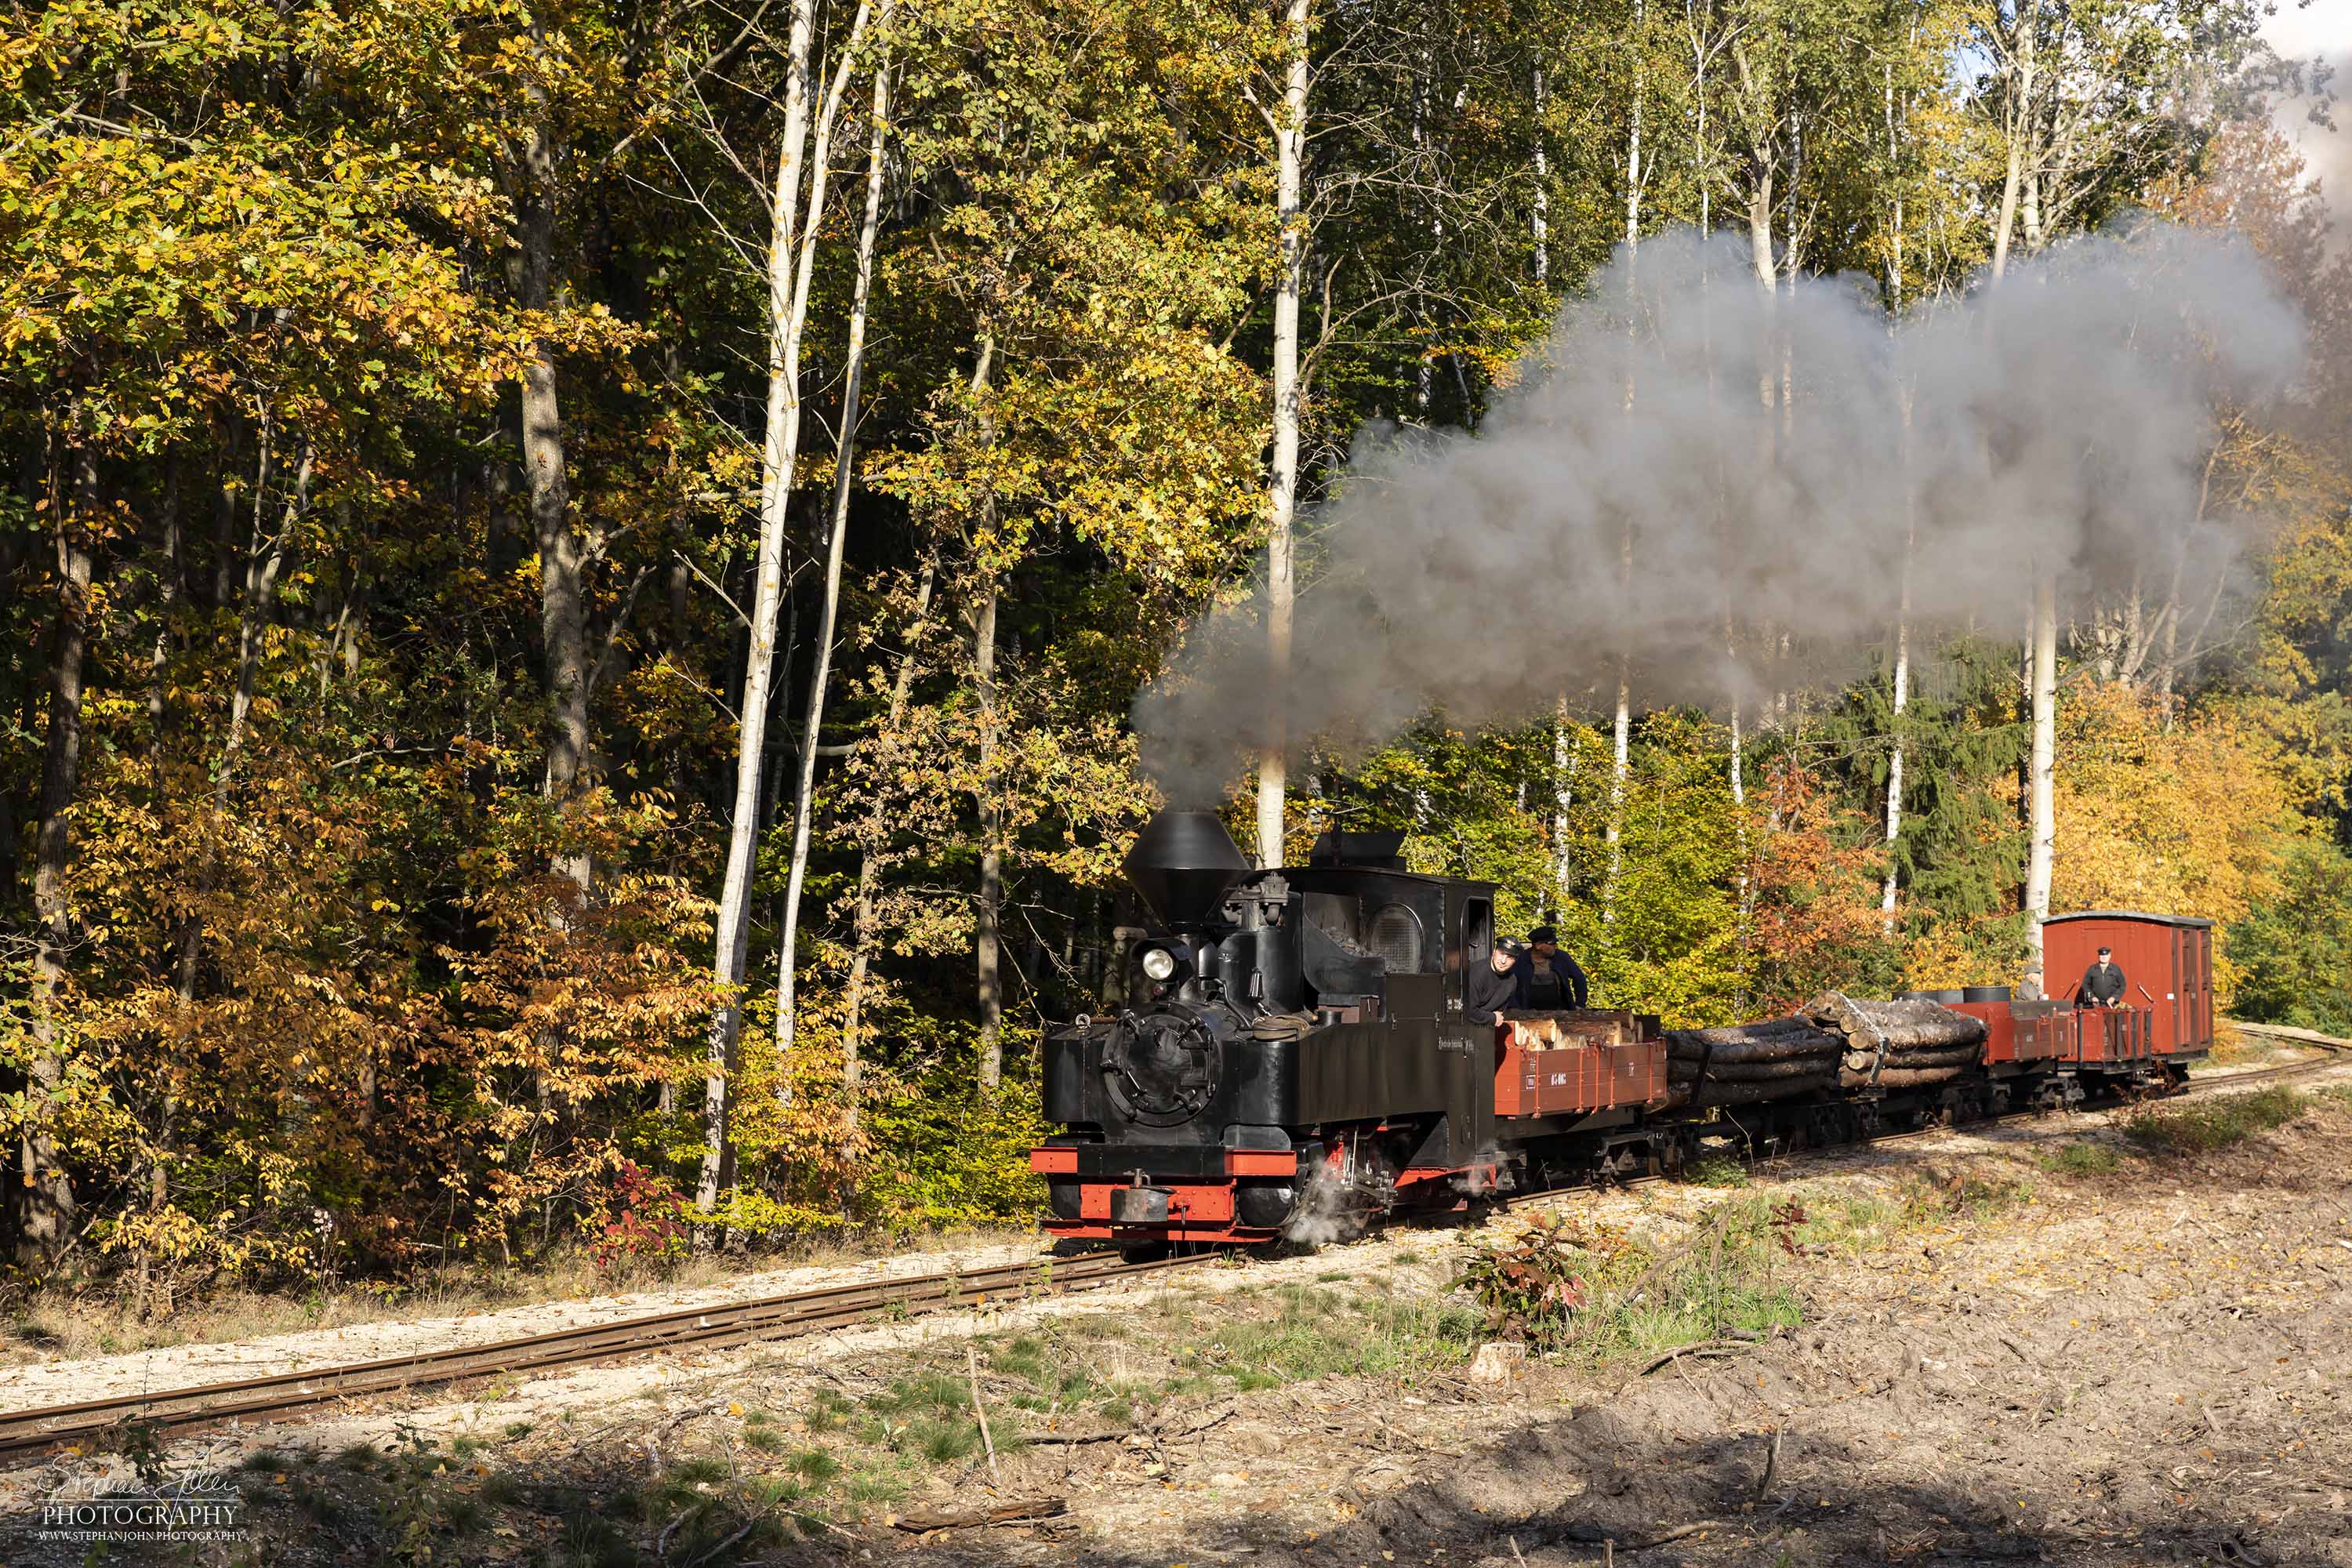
(2167, 965)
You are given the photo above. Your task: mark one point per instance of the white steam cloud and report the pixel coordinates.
(1693, 469)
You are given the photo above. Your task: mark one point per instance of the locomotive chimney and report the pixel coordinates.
(1182, 863)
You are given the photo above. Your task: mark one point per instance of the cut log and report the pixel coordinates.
(1715, 1091)
(1900, 1078)
(1737, 1034)
(1744, 1072)
(1022, 1511)
(1885, 1024)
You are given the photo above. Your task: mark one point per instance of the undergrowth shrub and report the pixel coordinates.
(2203, 1127)
(1567, 1284)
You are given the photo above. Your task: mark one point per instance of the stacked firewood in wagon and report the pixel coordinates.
(1834, 1041)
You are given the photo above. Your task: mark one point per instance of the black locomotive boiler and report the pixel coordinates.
(1293, 1057)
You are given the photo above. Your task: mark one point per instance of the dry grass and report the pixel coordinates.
(72, 1324)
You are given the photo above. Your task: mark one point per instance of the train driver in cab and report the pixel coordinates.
(1552, 983)
(2103, 983)
(1493, 987)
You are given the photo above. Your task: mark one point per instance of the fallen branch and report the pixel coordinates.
(1675, 1534)
(1111, 1436)
(1025, 1510)
(1696, 1347)
(971, 1362)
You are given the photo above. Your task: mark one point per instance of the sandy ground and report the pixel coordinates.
(2141, 1365)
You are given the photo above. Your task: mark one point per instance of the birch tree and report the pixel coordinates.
(1288, 125)
(836, 539)
(796, 219)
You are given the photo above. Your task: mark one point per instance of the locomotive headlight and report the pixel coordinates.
(1159, 964)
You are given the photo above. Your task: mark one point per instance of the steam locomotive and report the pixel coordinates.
(1293, 1058)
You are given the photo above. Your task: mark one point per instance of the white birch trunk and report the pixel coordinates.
(1895, 762)
(988, 938)
(1901, 683)
(1622, 720)
(836, 542)
(2018, 123)
(1543, 188)
(1282, 489)
(2043, 782)
(777, 455)
(1563, 787)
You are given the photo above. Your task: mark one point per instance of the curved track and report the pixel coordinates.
(97, 1422)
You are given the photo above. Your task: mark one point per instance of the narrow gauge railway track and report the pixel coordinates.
(92, 1422)
(23, 1432)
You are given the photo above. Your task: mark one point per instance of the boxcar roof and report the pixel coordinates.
(2129, 915)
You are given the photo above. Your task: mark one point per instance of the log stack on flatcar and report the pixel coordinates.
(1291, 1055)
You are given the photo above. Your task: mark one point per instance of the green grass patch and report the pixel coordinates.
(2203, 1127)
(1313, 1333)
(2080, 1160)
(1719, 1170)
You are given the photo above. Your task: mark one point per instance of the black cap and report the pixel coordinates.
(1542, 933)
(1509, 944)
(2107, 952)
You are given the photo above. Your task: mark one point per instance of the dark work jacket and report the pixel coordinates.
(1486, 994)
(1572, 981)
(2101, 986)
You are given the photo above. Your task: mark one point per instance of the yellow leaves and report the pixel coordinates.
(2195, 819)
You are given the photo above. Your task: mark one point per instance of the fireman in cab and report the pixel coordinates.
(1551, 980)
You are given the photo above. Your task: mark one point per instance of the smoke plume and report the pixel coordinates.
(1693, 471)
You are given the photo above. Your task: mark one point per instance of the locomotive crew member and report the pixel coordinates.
(1494, 986)
(2103, 984)
(1552, 982)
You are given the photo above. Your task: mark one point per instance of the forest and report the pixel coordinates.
(578, 574)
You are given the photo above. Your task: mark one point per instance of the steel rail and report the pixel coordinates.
(721, 1324)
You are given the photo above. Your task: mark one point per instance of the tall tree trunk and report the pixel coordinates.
(265, 562)
(988, 942)
(836, 542)
(869, 865)
(43, 1197)
(777, 455)
(1633, 131)
(1622, 728)
(2018, 127)
(1542, 217)
(562, 554)
(2041, 782)
(1563, 785)
(1895, 762)
(1902, 682)
(1282, 486)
